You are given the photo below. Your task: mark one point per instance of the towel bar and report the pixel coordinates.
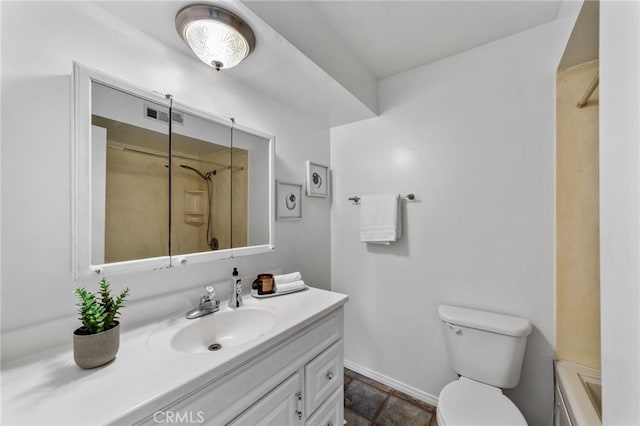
(356, 199)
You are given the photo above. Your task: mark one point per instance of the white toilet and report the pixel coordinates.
(486, 350)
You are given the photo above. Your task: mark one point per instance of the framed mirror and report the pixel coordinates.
(160, 184)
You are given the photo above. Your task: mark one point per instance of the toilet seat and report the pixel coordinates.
(470, 403)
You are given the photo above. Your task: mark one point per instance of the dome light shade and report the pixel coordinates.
(216, 36)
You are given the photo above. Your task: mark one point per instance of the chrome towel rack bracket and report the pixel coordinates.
(356, 199)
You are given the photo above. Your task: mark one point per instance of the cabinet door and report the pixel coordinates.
(280, 407)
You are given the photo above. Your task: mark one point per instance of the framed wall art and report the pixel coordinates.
(317, 180)
(288, 201)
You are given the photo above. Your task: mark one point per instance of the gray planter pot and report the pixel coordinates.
(94, 350)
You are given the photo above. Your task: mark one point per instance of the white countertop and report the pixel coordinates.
(49, 389)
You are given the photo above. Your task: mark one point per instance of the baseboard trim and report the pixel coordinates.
(403, 387)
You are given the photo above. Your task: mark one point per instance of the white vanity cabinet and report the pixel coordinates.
(297, 381)
(292, 373)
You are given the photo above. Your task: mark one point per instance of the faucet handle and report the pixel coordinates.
(210, 291)
(209, 294)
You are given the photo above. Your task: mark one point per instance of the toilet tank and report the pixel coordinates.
(485, 346)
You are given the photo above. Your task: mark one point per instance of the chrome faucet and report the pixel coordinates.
(207, 304)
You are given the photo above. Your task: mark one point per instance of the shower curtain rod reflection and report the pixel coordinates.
(166, 157)
(589, 92)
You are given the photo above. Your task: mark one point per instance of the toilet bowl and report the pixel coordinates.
(486, 349)
(466, 402)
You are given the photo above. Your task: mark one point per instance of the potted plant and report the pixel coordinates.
(97, 342)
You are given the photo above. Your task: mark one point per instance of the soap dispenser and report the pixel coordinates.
(235, 295)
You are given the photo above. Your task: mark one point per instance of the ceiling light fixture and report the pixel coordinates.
(216, 36)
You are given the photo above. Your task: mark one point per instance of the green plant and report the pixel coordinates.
(99, 315)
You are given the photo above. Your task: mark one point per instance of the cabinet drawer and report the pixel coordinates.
(322, 376)
(331, 412)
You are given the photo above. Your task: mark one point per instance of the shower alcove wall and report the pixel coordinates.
(577, 196)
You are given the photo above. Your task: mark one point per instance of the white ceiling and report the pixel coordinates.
(584, 43)
(390, 37)
(276, 68)
(326, 57)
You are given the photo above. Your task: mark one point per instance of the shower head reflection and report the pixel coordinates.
(205, 176)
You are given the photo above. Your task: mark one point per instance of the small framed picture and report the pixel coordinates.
(317, 180)
(288, 201)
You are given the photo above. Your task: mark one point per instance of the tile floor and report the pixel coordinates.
(370, 403)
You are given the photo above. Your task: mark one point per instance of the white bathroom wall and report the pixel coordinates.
(620, 210)
(36, 154)
(473, 137)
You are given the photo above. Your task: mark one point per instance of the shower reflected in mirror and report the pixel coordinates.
(208, 178)
(200, 185)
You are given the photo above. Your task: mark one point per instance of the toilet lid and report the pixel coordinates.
(466, 402)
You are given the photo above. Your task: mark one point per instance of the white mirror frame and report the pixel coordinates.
(81, 245)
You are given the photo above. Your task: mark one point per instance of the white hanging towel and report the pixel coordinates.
(380, 221)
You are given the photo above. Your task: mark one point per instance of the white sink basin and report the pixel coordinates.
(213, 332)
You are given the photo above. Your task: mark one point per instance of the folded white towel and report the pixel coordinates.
(290, 287)
(287, 278)
(380, 218)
